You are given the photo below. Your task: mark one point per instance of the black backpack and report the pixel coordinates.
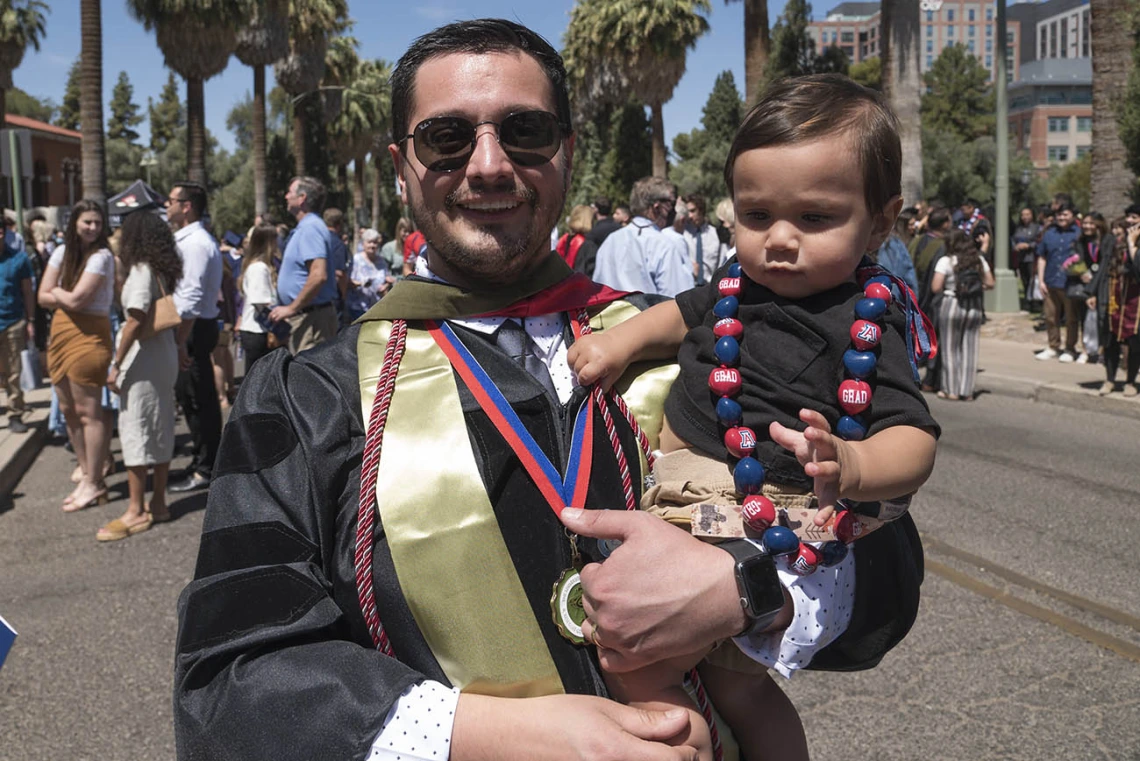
(969, 290)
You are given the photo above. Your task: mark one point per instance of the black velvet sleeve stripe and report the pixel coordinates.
(249, 545)
(256, 441)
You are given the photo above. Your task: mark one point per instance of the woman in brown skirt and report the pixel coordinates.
(79, 284)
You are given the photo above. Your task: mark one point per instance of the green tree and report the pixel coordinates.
(793, 49)
(617, 49)
(22, 24)
(958, 98)
(311, 24)
(124, 112)
(868, 72)
(68, 117)
(196, 39)
(167, 116)
(124, 160)
(612, 150)
(1075, 178)
(365, 111)
(21, 103)
(703, 152)
(955, 169)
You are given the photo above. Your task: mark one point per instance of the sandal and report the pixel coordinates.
(160, 516)
(116, 529)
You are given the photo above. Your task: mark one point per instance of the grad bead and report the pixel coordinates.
(865, 335)
(882, 280)
(728, 326)
(877, 291)
(780, 540)
(854, 396)
(833, 554)
(860, 363)
(734, 269)
(748, 475)
(729, 286)
(727, 350)
(847, 527)
(725, 381)
(740, 441)
(850, 428)
(728, 411)
(606, 547)
(870, 309)
(726, 307)
(758, 512)
(805, 561)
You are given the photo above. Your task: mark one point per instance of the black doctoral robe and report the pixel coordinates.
(273, 657)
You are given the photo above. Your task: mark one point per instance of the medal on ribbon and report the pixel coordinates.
(558, 490)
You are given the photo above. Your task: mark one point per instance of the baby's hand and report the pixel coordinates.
(597, 358)
(820, 453)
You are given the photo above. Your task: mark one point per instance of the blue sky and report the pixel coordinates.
(384, 28)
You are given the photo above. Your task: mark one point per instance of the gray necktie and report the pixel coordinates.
(700, 259)
(515, 341)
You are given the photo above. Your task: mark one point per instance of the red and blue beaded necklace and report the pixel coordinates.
(855, 393)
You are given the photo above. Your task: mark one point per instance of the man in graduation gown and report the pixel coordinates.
(379, 550)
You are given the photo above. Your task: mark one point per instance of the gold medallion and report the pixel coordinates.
(566, 605)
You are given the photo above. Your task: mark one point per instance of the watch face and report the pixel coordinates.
(763, 584)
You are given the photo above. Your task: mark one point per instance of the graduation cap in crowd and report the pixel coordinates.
(138, 197)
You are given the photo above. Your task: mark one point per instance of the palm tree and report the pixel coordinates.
(365, 110)
(342, 66)
(21, 24)
(311, 24)
(620, 48)
(902, 82)
(91, 100)
(264, 40)
(196, 38)
(757, 45)
(1111, 182)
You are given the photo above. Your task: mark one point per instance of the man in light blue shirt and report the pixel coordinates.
(639, 257)
(306, 285)
(196, 298)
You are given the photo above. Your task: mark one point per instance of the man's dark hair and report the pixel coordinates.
(938, 219)
(624, 207)
(698, 200)
(479, 37)
(1060, 199)
(800, 109)
(314, 191)
(195, 194)
(1064, 206)
(603, 206)
(971, 201)
(1132, 209)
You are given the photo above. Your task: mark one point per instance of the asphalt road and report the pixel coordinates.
(1039, 498)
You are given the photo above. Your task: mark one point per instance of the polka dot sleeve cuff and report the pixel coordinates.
(823, 602)
(418, 727)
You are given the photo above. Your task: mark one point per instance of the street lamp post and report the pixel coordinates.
(1003, 298)
(149, 160)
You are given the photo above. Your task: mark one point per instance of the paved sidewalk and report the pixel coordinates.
(1007, 367)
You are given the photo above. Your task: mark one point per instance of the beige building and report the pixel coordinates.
(855, 28)
(1050, 110)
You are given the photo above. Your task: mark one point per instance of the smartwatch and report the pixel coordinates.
(761, 594)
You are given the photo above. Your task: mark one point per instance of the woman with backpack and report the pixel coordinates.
(961, 276)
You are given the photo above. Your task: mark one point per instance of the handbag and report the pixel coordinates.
(31, 372)
(163, 315)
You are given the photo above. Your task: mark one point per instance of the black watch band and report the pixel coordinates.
(757, 583)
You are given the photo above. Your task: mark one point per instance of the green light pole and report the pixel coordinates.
(1003, 298)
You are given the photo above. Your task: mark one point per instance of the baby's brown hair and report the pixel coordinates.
(799, 109)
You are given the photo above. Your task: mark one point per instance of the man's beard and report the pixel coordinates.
(501, 255)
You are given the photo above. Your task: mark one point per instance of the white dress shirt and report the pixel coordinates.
(639, 257)
(196, 296)
(822, 601)
(712, 250)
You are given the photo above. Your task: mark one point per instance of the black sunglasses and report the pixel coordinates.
(445, 143)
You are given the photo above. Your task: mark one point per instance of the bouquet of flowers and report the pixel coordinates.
(1074, 266)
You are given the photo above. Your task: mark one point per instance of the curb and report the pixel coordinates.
(1058, 394)
(18, 452)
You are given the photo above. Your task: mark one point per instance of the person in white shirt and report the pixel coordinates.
(258, 286)
(79, 284)
(640, 257)
(705, 249)
(197, 301)
(369, 279)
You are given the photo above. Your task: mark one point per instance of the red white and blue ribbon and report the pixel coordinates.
(560, 491)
